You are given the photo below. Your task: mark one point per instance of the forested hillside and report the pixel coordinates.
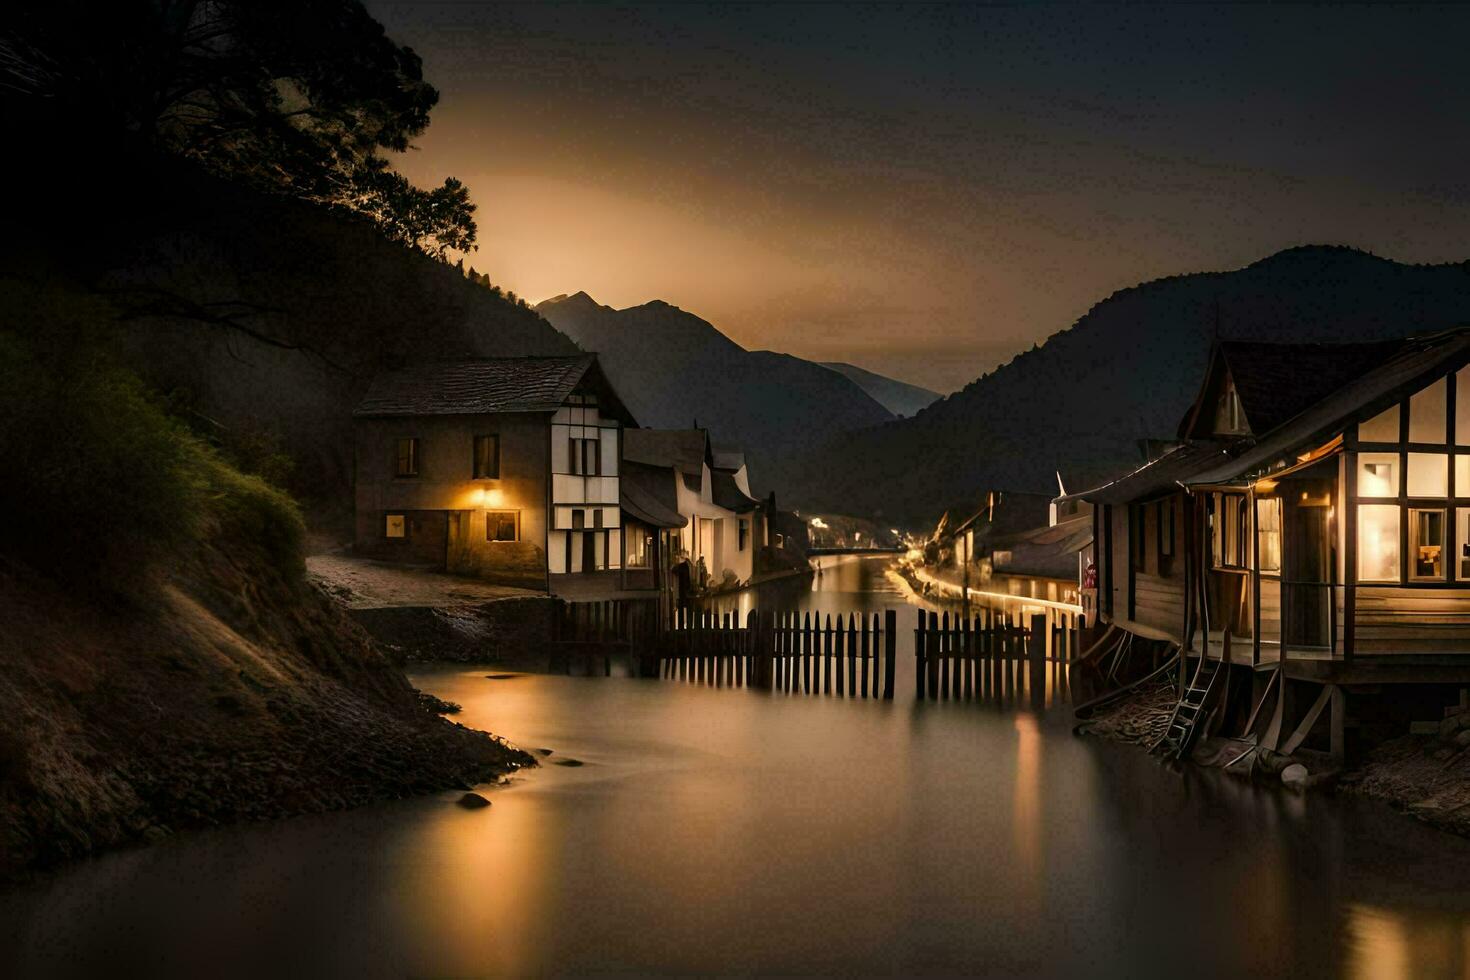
(1126, 371)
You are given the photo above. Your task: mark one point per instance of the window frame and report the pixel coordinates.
(495, 518)
(410, 466)
(1410, 558)
(475, 456)
(402, 522)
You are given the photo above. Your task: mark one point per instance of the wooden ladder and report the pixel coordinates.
(1192, 710)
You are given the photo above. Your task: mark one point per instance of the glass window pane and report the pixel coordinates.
(1462, 541)
(1378, 474)
(1426, 414)
(1426, 544)
(1268, 525)
(1428, 476)
(1381, 428)
(1462, 407)
(1378, 543)
(1462, 476)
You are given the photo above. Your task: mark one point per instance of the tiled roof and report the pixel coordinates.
(473, 387)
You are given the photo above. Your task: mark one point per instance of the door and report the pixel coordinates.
(589, 551)
(1308, 565)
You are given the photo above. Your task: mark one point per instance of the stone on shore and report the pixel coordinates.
(1295, 776)
(473, 801)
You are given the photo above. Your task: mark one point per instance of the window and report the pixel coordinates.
(780, 540)
(743, 537)
(1229, 419)
(1462, 476)
(1462, 535)
(395, 527)
(585, 457)
(1428, 476)
(639, 545)
(408, 458)
(1268, 533)
(1378, 543)
(503, 525)
(1378, 474)
(487, 457)
(1427, 414)
(1229, 531)
(579, 520)
(1383, 427)
(1426, 544)
(1462, 407)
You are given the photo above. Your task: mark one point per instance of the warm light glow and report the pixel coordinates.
(1265, 485)
(819, 523)
(493, 497)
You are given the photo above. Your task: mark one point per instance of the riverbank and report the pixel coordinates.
(1423, 776)
(225, 691)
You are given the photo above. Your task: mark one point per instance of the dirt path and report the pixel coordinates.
(359, 583)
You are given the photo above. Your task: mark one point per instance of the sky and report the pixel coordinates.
(928, 190)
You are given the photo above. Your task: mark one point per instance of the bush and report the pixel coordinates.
(98, 482)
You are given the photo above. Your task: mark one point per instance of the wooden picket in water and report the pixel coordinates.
(992, 655)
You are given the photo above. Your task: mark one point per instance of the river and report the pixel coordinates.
(720, 830)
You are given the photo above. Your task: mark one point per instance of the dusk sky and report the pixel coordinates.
(927, 191)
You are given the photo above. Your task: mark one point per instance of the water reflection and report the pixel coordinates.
(728, 831)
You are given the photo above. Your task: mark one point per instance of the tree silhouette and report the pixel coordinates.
(297, 95)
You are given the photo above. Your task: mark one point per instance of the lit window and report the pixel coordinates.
(1268, 532)
(1462, 407)
(408, 458)
(1462, 536)
(395, 527)
(639, 546)
(1426, 544)
(1378, 543)
(502, 525)
(1378, 474)
(1462, 476)
(1383, 427)
(1229, 419)
(1428, 476)
(487, 457)
(1426, 414)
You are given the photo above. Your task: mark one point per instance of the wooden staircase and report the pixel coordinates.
(1193, 710)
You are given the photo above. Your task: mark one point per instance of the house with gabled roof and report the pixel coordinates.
(507, 469)
(1312, 527)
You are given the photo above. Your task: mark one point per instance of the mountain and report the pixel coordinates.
(1125, 371)
(899, 397)
(672, 368)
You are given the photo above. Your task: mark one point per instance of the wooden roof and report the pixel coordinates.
(488, 386)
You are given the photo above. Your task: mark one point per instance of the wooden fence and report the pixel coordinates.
(991, 655)
(850, 656)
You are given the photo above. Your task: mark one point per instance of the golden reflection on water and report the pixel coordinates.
(1384, 945)
(1026, 798)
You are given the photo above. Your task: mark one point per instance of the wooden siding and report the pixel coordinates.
(1412, 620)
(1158, 601)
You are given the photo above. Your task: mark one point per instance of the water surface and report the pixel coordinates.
(735, 831)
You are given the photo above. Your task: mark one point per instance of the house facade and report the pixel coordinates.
(507, 469)
(1314, 518)
(724, 525)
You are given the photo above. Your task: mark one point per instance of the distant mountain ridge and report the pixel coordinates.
(1127, 370)
(674, 369)
(899, 397)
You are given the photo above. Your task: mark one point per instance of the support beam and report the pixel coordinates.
(1305, 728)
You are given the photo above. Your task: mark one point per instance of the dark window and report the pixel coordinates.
(579, 520)
(408, 458)
(1230, 532)
(597, 518)
(1166, 528)
(585, 457)
(744, 533)
(503, 525)
(487, 457)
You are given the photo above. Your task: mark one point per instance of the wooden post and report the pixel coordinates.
(1038, 660)
(921, 668)
(852, 642)
(866, 647)
(834, 650)
(890, 643)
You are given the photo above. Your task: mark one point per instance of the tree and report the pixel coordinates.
(298, 95)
